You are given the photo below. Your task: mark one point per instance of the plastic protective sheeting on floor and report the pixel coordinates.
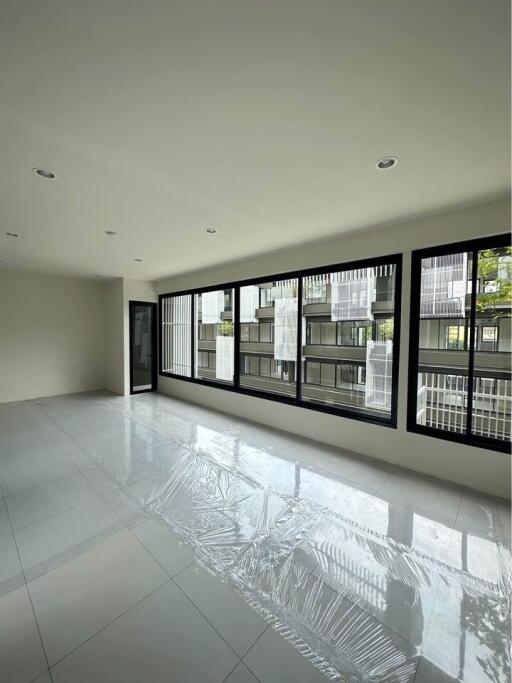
(352, 595)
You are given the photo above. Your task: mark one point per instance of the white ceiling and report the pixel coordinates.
(261, 118)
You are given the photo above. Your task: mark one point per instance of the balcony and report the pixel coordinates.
(348, 353)
(204, 345)
(266, 348)
(487, 363)
(267, 312)
(383, 309)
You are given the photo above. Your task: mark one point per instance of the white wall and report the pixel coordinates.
(115, 336)
(479, 468)
(52, 335)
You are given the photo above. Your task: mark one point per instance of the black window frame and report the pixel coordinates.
(473, 246)
(385, 421)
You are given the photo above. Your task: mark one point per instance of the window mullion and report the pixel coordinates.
(192, 335)
(471, 350)
(236, 342)
(298, 364)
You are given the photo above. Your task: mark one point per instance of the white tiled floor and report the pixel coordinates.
(144, 539)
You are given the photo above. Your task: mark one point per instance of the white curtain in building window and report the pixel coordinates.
(285, 328)
(352, 294)
(444, 283)
(379, 366)
(212, 305)
(249, 302)
(224, 358)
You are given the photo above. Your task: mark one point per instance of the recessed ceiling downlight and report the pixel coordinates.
(211, 231)
(386, 163)
(13, 234)
(45, 173)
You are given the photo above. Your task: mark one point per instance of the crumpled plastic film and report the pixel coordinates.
(322, 580)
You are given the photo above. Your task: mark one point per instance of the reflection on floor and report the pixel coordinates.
(145, 539)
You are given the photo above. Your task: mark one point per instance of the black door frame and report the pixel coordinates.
(154, 357)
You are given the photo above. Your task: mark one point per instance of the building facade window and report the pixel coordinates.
(321, 339)
(459, 372)
(356, 316)
(268, 327)
(214, 358)
(455, 337)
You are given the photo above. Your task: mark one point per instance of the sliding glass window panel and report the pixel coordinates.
(443, 358)
(176, 317)
(492, 387)
(215, 335)
(461, 327)
(349, 326)
(269, 309)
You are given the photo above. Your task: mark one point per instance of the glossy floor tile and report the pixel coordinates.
(232, 617)
(146, 539)
(45, 545)
(21, 651)
(241, 675)
(105, 582)
(162, 638)
(41, 502)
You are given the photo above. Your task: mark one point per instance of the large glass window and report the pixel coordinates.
(323, 340)
(459, 379)
(214, 335)
(347, 352)
(176, 351)
(268, 336)
(492, 387)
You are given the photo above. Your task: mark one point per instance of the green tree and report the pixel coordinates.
(495, 265)
(386, 329)
(225, 328)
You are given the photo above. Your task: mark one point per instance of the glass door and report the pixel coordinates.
(143, 356)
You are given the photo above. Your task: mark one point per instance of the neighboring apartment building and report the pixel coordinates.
(347, 333)
(445, 317)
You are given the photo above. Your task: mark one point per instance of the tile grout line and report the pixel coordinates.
(93, 635)
(61, 512)
(170, 579)
(28, 594)
(242, 663)
(207, 620)
(45, 483)
(126, 528)
(241, 659)
(97, 496)
(252, 647)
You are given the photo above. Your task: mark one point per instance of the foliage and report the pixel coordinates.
(495, 265)
(386, 329)
(225, 328)
(485, 617)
